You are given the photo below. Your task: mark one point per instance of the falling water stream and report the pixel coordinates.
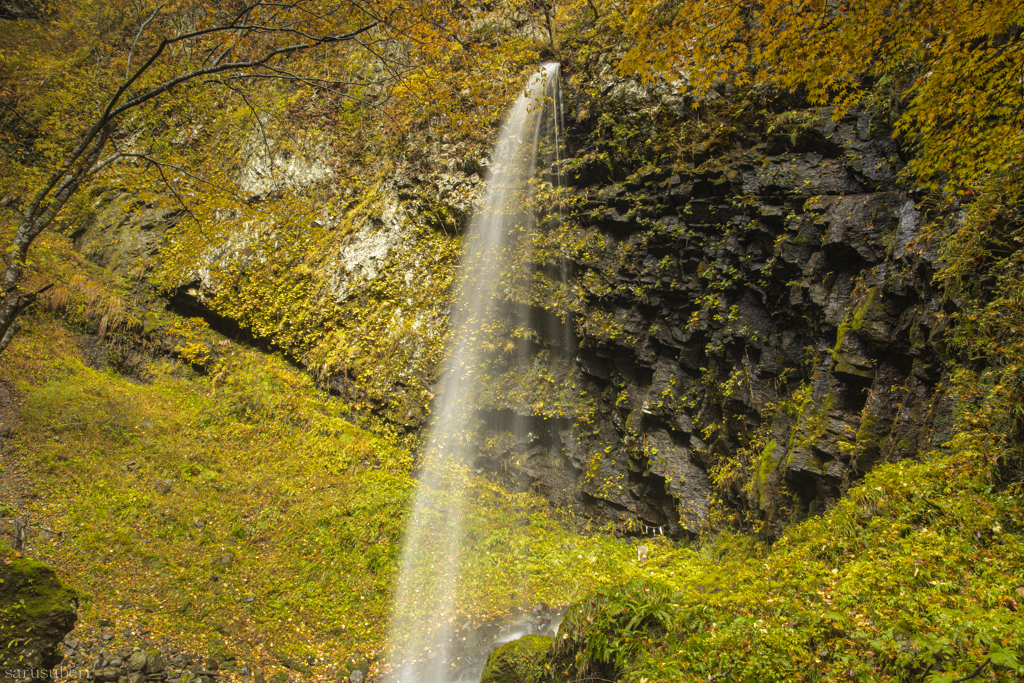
(421, 639)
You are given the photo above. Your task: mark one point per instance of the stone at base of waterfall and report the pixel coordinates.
(520, 661)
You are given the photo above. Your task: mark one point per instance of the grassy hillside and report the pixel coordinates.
(209, 495)
(238, 514)
(915, 576)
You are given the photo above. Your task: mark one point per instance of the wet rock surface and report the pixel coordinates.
(519, 661)
(473, 643)
(775, 295)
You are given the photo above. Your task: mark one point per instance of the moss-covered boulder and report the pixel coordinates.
(521, 661)
(36, 611)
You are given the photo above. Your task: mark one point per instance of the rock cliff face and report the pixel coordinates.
(749, 295)
(760, 315)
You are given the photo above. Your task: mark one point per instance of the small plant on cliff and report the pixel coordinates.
(608, 630)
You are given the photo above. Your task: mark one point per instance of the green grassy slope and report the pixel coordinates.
(239, 514)
(915, 576)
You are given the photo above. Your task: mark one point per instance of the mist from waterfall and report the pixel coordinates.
(495, 266)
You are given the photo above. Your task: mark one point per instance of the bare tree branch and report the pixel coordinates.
(975, 673)
(259, 124)
(247, 24)
(138, 35)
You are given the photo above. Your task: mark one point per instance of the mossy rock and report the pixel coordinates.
(36, 611)
(521, 661)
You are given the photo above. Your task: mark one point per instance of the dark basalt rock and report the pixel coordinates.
(796, 278)
(14, 10)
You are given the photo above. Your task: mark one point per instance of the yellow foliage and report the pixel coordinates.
(954, 66)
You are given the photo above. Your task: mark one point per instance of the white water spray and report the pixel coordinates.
(420, 639)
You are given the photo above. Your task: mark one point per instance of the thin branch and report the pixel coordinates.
(262, 62)
(131, 51)
(163, 177)
(184, 172)
(213, 50)
(181, 201)
(976, 672)
(233, 25)
(259, 123)
(15, 112)
(720, 676)
(328, 85)
(283, 75)
(222, 56)
(106, 162)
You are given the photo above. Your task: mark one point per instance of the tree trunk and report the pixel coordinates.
(45, 206)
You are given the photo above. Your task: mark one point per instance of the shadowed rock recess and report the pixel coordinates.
(764, 289)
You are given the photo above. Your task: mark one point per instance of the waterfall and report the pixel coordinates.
(495, 266)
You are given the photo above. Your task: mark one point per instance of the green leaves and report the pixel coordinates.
(1004, 657)
(885, 585)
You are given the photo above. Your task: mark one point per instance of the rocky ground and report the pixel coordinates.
(102, 650)
(112, 653)
(122, 655)
(11, 476)
(109, 653)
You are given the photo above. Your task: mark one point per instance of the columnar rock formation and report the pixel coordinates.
(772, 295)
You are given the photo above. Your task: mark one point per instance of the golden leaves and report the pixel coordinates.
(962, 111)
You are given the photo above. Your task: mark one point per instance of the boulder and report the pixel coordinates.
(107, 674)
(520, 661)
(357, 663)
(38, 611)
(136, 662)
(154, 662)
